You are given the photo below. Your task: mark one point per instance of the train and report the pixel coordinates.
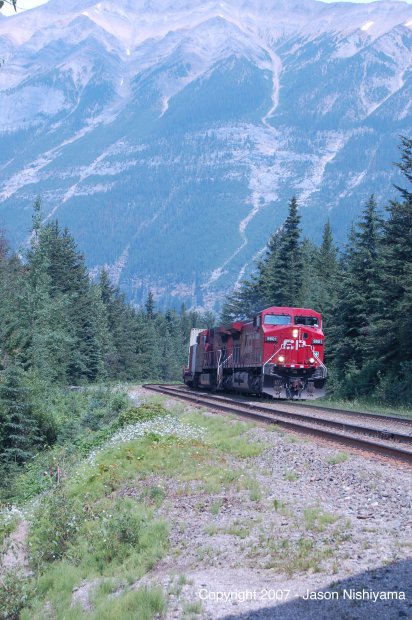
(277, 354)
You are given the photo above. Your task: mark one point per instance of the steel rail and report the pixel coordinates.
(380, 433)
(299, 423)
(376, 416)
(311, 405)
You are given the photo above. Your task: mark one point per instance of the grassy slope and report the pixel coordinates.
(96, 532)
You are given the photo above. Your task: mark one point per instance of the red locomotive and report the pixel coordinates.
(279, 353)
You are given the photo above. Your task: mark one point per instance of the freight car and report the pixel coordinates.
(279, 354)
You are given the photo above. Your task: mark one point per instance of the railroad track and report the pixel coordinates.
(390, 437)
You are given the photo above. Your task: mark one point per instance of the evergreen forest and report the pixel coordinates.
(363, 292)
(61, 330)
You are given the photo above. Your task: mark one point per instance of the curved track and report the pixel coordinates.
(394, 439)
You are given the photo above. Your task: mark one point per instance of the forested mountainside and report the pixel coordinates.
(364, 293)
(84, 469)
(58, 328)
(169, 137)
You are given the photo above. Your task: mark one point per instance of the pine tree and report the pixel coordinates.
(395, 295)
(287, 280)
(357, 305)
(243, 302)
(327, 271)
(13, 335)
(19, 435)
(121, 319)
(46, 323)
(313, 290)
(148, 353)
(150, 306)
(405, 165)
(67, 322)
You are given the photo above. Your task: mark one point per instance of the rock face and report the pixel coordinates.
(169, 136)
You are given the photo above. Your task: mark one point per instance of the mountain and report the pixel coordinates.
(169, 136)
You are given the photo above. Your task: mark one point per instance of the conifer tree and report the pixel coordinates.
(357, 305)
(327, 268)
(286, 279)
(244, 301)
(148, 354)
(68, 334)
(19, 433)
(13, 332)
(395, 294)
(121, 320)
(313, 290)
(49, 342)
(150, 306)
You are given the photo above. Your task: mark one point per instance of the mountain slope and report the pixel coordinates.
(170, 136)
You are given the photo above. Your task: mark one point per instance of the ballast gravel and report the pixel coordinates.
(328, 535)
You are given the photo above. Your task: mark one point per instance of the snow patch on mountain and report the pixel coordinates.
(115, 269)
(33, 102)
(366, 26)
(334, 142)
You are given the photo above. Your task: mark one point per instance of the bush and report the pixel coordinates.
(147, 411)
(395, 387)
(16, 592)
(55, 527)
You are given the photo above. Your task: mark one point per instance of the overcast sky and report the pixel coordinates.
(29, 4)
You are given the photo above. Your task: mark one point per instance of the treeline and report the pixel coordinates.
(363, 292)
(58, 328)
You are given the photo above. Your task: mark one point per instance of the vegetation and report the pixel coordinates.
(58, 328)
(365, 294)
(91, 538)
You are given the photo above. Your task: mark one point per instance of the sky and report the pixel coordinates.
(29, 4)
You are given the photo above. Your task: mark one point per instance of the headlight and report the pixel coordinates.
(281, 359)
(311, 360)
(295, 333)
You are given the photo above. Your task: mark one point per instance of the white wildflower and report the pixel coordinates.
(163, 426)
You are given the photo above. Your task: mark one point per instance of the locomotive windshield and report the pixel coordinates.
(277, 319)
(311, 321)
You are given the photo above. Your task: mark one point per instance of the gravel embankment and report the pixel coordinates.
(316, 517)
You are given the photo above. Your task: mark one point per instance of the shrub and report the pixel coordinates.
(56, 524)
(15, 593)
(147, 411)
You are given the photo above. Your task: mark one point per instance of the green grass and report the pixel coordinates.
(339, 457)
(255, 494)
(205, 552)
(282, 508)
(292, 439)
(299, 556)
(238, 529)
(227, 438)
(210, 529)
(215, 507)
(79, 421)
(290, 476)
(316, 519)
(192, 609)
(177, 584)
(86, 530)
(144, 603)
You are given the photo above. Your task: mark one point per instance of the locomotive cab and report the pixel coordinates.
(293, 353)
